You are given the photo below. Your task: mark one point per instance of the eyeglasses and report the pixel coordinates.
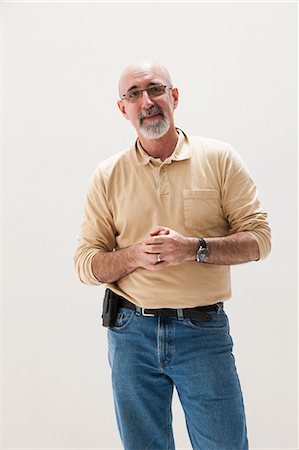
(134, 95)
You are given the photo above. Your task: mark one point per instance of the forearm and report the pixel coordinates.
(108, 267)
(175, 248)
(233, 249)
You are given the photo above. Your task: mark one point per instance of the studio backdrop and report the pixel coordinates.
(235, 65)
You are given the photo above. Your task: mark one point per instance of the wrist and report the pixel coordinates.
(193, 245)
(133, 254)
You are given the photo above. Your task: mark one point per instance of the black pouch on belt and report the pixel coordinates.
(110, 308)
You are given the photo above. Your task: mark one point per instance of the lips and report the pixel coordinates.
(151, 117)
(152, 113)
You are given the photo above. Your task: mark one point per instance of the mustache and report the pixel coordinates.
(150, 112)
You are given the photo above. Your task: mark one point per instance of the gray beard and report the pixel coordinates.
(156, 128)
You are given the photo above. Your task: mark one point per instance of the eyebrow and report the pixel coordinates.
(152, 83)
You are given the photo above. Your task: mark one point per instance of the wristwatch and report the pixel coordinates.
(202, 253)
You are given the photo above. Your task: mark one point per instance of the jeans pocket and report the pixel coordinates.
(218, 323)
(124, 317)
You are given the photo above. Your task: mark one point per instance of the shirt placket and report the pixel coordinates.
(162, 182)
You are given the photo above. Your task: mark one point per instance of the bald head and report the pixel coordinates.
(141, 69)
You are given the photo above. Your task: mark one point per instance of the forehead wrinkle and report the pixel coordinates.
(139, 80)
(139, 72)
(151, 83)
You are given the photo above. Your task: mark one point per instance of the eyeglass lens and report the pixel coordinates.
(153, 91)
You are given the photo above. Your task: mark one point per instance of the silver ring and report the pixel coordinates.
(158, 257)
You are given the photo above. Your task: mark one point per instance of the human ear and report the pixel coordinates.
(122, 109)
(175, 96)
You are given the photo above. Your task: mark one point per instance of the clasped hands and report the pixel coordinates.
(165, 247)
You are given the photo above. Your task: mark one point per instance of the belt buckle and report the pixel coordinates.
(144, 314)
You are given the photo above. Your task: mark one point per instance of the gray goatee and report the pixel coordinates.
(155, 128)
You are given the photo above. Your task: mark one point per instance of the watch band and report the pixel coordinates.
(202, 243)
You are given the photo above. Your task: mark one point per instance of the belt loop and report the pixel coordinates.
(138, 310)
(180, 314)
(220, 307)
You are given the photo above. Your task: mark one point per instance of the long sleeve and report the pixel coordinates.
(97, 232)
(240, 202)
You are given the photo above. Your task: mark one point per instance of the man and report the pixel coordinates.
(163, 222)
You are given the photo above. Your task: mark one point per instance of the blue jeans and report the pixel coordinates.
(148, 356)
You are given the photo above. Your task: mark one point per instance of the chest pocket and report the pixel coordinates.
(201, 208)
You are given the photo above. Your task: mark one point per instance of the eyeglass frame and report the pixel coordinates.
(124, 96)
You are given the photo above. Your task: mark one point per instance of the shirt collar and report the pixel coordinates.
(180, 153)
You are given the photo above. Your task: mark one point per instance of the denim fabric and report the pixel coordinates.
(148, 356)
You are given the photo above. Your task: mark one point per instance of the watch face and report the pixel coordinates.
(202, 254)
(203, 257)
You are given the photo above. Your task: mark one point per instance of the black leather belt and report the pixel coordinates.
(199, 312)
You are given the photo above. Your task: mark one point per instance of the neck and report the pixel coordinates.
(162, 147)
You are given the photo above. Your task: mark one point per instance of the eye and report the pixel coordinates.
(156, 90)
(134, 93)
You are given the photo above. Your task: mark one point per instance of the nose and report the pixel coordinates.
(146, 100)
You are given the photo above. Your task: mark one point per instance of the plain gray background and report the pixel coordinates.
(236, 68)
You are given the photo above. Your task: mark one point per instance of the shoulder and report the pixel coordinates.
(214, 149)
(209, 145)
(106, 168)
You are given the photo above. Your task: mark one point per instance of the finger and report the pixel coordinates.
(155, 240)
(158, 231)
(162, 232)
(154, 249)
(160, 265)
(152, 261)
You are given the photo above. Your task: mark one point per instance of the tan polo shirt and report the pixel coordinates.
(202, 190)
